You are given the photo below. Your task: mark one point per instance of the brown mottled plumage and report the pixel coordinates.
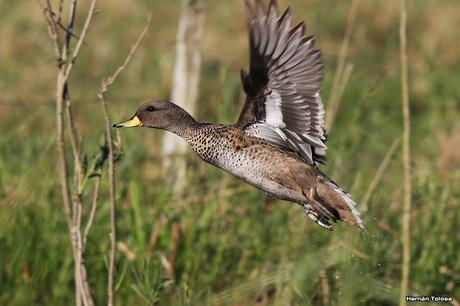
(279, 134)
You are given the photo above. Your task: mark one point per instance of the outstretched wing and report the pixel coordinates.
(283, 105)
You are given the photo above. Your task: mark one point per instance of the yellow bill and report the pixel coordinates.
(133, 122)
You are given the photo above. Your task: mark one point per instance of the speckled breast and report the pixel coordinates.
(248, 159)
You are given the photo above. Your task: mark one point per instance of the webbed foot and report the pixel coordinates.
(320, 219)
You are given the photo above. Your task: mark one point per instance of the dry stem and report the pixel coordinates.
(111, 170)
(325, 290)
(378, 174)
(92, 213)
(89, 18)
(334, 99)
(71, 202)
(405, 237)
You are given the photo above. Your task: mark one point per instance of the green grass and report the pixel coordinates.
(236, 245)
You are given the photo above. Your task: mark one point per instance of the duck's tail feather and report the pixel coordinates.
(336, 199)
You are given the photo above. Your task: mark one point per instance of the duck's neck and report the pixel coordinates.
(183, 125)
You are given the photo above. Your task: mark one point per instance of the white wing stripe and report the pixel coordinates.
(273, 113)
(285, 64)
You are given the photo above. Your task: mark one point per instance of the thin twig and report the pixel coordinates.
(111, 174)
(325, 291)
(94, 171)
(52, 29)
(378, 174)
(343, 85)
(88, 20)
(60, 9)
(175, 239)
(65, 89)
(111, 170)
(155, 232)
(47, 9)
(339, 73)
(59, 24)
(92, 213)
(111, 79)
(73, 135)
(405, 235)
(333, 108)
(69, 29)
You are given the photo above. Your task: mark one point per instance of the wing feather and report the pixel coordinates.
(283, 104)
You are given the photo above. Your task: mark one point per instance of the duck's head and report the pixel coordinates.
(161, 115)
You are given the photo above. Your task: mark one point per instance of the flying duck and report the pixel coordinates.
(279, 137)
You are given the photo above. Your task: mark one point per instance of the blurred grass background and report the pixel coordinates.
(235, 245)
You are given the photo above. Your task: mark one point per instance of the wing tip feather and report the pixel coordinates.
(273, 7)
(272, 35)
(260, 8)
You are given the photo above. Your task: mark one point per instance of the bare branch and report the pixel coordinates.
(406, 213)
(58, 20)
(111, 79)
(339, 73)
(60, 8)
(61, 148)
(174, 245)
(154, 235)
(334, 107)
(94, 171)
(378, 174)
(76, 151)
(71, 203)
(92, 213)
(68, 36)
(111, 157)
(325, 290)
(59, 24)
(82, 285)
(88, 20)
(52, 29)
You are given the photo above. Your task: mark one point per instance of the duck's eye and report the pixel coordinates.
(150, 109)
